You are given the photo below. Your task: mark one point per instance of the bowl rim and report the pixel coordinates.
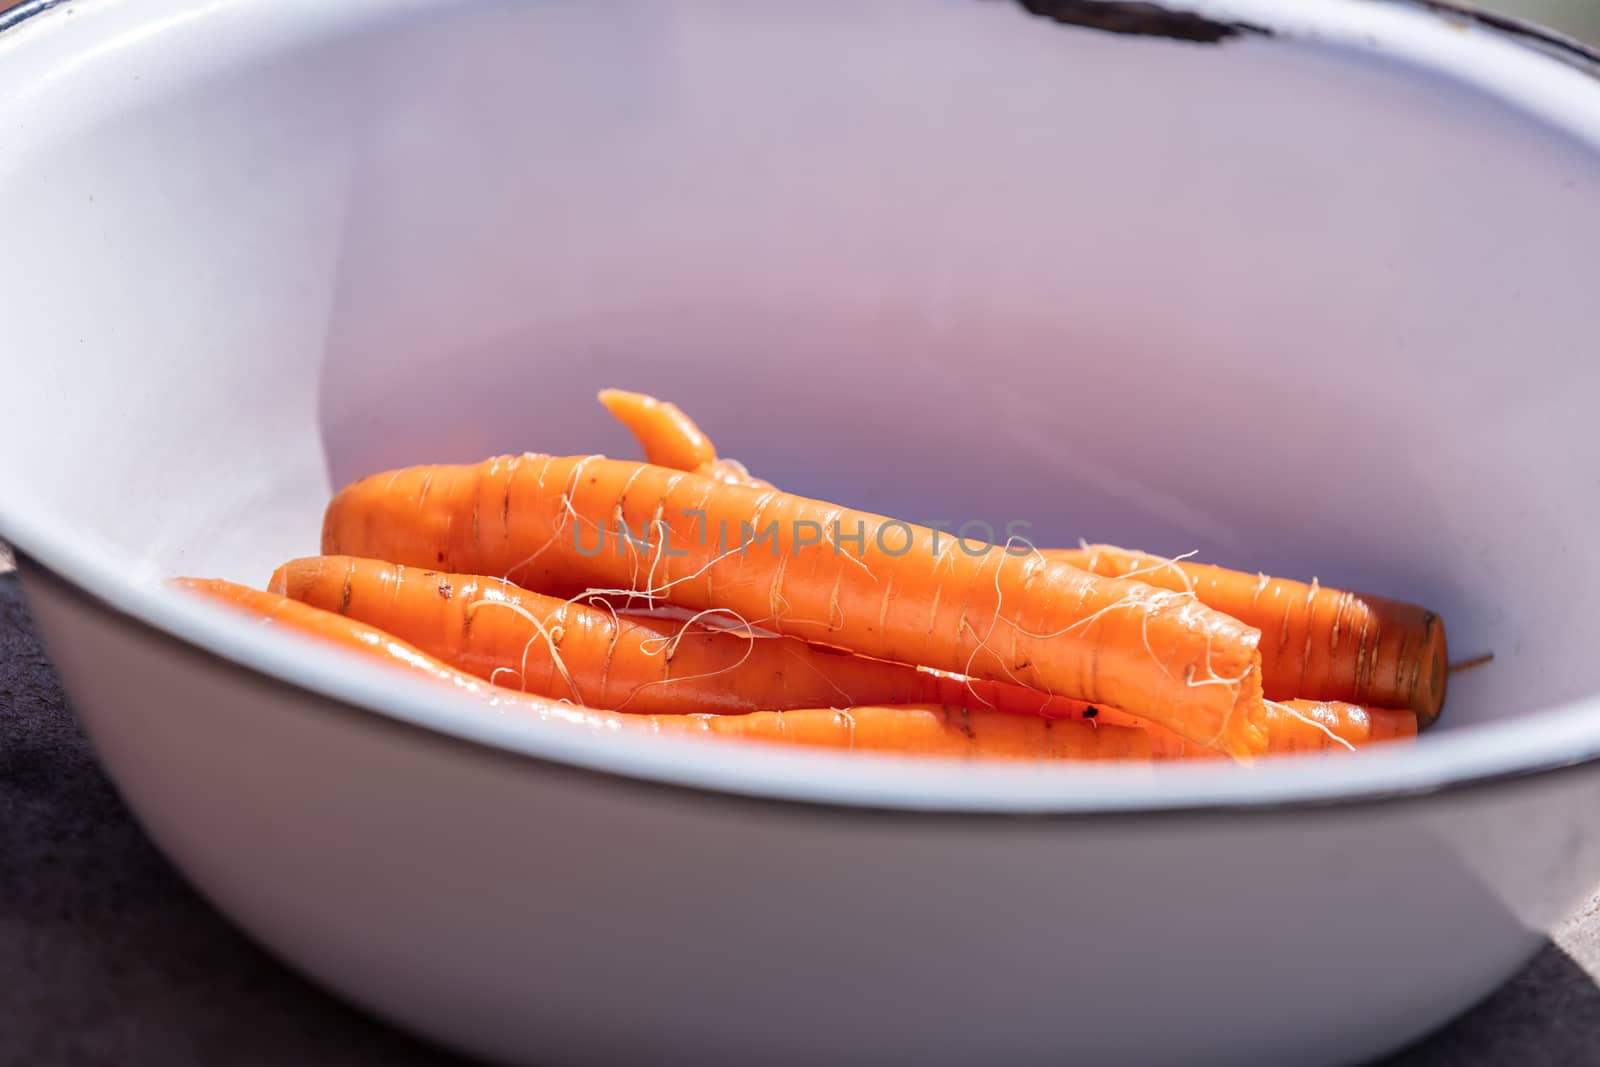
(1521, 59)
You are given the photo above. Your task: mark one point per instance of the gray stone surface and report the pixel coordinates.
(108, 957)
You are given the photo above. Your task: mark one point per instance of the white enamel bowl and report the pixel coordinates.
(1317, 296)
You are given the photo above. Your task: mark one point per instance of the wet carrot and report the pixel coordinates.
(822, 573)
(931, 730)
(502, 633)
(1313, 725)
(913, 730)
(1317, 643)
(1291, 726)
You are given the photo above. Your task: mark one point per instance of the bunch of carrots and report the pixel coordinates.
(683, 595)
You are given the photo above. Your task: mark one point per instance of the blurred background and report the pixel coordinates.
(1578, 18)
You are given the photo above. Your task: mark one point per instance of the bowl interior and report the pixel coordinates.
(1281, 304)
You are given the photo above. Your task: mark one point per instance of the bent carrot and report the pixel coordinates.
(915, 730)
(671, 439)
(906, 593)
(498, 631)
(1317, 643)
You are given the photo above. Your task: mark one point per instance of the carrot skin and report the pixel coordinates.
(915, 729)
(1317, 643)
(505, 634)
(925, 730)
(1354, 724)
(1333, 727)
(901, 593)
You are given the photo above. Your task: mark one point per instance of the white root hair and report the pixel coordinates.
(551, 636)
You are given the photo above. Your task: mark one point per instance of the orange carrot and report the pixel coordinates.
(786, 563)
(917, 729)
(1291, 726)
(1319, 725)
(671, 439)
(1317, 643)
(929, 730)
(590, 655)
